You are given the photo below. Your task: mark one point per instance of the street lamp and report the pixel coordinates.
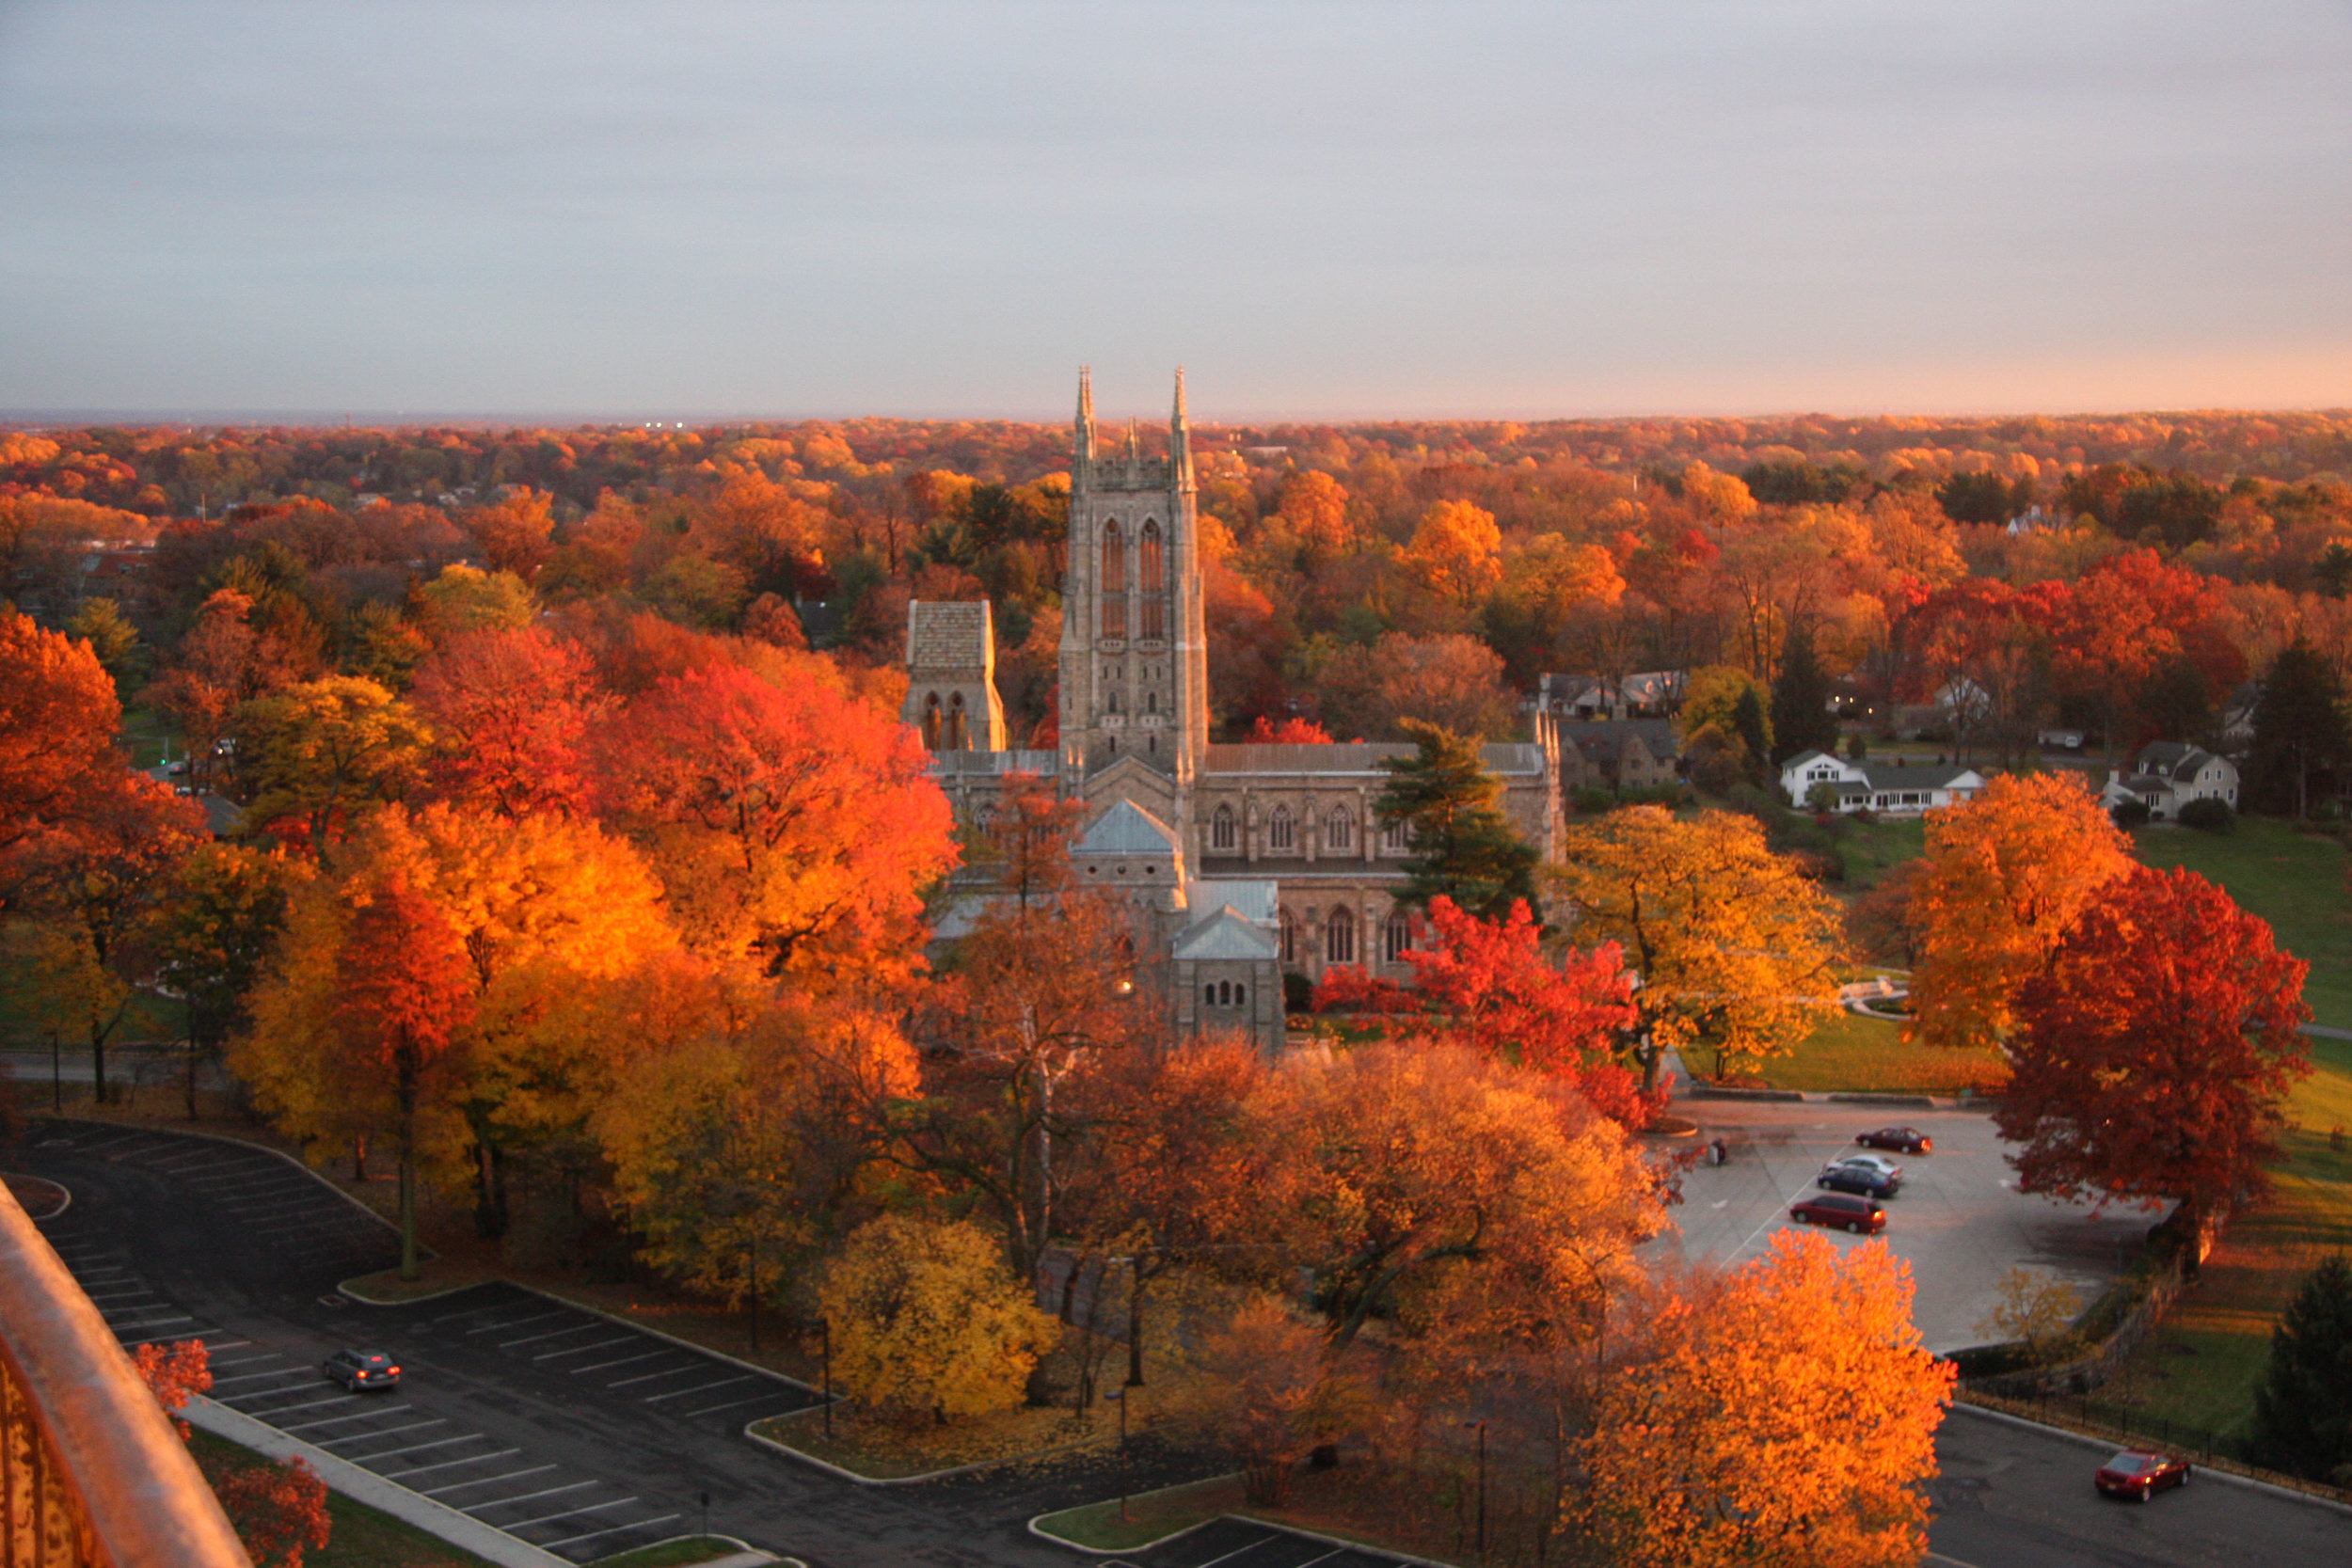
(826, 1324)
(1119, 1394)
(1481, 1488)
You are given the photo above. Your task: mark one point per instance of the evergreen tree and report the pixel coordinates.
(1800, 720)
(2300, 731)
(2303, 1409)
(1464, 847)
(1748, 721)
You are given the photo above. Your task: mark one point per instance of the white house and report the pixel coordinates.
(2168, 775)
(1898, 787)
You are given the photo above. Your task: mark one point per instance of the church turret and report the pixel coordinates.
(1178, 440)
(1086, 417)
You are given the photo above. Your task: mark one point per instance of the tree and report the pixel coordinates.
(1314, 507)
(1732, 943)
(1487, 986)
(277, 1509)
(2303, 1406)
(1280, 1392)
(1799, 718)
(1728, 708)
(1377, 691)
(1464, 847)
(59, 714)
(2124, 620)
(228, 658)
(1739, 1366)
(2299, 730)
(1404, 1171)
(1292, 731)
(517, 533)
(1026, 839)
(925, 1320)
(2034, 1309)
(326, 751)
(402, 996)
(221, 916)
(2005, 873)
(510, 711)
(2160, 1043)
(792, 821)
(100, 622)
(1457, 550)
(1880, 922)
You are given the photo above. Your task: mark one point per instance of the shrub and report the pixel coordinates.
(1857, 747)
(2130, 813)
(2209, 816)
(2303, 1409)
(1593, 802)
(1298, 992)
(928, 1321)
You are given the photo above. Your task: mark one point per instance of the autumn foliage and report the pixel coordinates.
(279, 1511)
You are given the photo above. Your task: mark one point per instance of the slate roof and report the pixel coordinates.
(1602, 741)
(1912, 775)
(2171, 759)
(1227, 935)
(1253, 898)
(1361, 756)
(1127, 828)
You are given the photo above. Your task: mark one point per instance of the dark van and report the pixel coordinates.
(1857, 1214)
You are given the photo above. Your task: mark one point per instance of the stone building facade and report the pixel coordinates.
(1254, 860)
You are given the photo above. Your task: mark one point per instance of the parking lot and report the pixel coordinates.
(1244, 1544)
(1959, 1219)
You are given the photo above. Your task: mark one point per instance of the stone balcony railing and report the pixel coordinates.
(91, 1473)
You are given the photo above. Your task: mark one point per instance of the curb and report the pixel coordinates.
(853, 1478)
(1133, 1496)
(2288, 1493)
(1710, 1091)
(434, 1518)
(65, 1197)
(746, 1556)
(1915, 1102)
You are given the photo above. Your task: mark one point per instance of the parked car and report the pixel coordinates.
(361, 1370)
(1878, 1163)
(1903, 1140)
(1857, 1214)
(1843, 1177)
(2141, 1476)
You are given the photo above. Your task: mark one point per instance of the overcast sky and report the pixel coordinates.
(699, 208)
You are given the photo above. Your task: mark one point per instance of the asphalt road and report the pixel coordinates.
(588, 1436)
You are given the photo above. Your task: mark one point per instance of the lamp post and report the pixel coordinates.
(754, 1292)
(1481, 1426)
(826, 1326)
(1119, 1394)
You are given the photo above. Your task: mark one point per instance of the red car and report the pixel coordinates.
(1906, 1140)
(1857, 1214)
(2141, 1476)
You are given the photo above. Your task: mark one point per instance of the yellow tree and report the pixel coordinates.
(1738, 1368)
(1457, 550)
(327, 752)
(927, 1322)
(2005, 875)
(1732, 943)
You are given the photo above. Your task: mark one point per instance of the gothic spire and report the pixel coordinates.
(1085, 439)
(1178, 440)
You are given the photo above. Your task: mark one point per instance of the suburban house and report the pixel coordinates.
(1899, 788)
(1618, 753)
(1650, 695)
(2169, 774)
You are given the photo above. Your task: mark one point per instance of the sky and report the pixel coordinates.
(1372, 209)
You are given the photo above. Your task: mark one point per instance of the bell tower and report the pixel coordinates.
(1134, 643)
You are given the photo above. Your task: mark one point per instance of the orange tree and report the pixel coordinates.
(1739, 1366)
(2004, 874)
(2159, 1046)
(59, 714)
(278, 1509)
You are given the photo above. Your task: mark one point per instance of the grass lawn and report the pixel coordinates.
(1151, 1515)
(884, 1447)
(1850, 1052)
(2292, 880)
(2202, 1366)
(671, 1554)
(1873, 849)
(361, 1537)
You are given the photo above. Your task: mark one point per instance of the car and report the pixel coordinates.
(1877, 1163)
(1903, 1140)
(2141, 1476)
(360, 1369)
(1857, 1214)
(1869, 1182)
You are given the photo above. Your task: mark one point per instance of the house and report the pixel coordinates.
(1620, 753)
(2169, 774)
(1899, 787)
(1650, 695)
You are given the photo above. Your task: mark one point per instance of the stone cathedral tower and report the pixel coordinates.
(1135, 667)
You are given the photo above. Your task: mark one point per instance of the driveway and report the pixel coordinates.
(1958, 1220)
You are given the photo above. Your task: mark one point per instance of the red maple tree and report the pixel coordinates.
(278, 1509)
(511, 710)
(2158, 1044)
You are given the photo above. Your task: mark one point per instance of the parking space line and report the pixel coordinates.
(248, 1360)
(211, 1345)
(355, 1416)
(481, 1481)
(513, 1524)
(289, 1409)
(123, 1290)
(427, 1448)
(698, 1388)
(625, 1361)
(583, 1350)
(731, 1404)
(551, 1334)
(388, 1431)
(518, 1322)
(141, 1323)
(256, 1377)
(641, 1524)
(451, 1463)
(526, 1496)
(1265, 1539)
(655, 1377)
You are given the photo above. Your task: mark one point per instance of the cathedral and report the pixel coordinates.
(1252, 860)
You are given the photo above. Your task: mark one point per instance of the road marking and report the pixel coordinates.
(443, 1443)
(481, 1481)
(143, 1323)
(698, 1388)
(527, 1496)
(583, 1350)
(355, 1416)
(551, 1334)
(513, 1524)
(288, 1409)
(388, 1431)
(655, 1377)
(641, 1524)
(625, 1361)
(1267, 1540)
(256, 1377)
(452, 1464)
(518, 1322)
(732, 1404)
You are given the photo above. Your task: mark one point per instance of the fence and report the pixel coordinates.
(2136, 1429)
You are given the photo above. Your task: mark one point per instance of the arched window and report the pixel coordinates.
(1281, 833)
(1225, 994)
(1155, 576)
(1114, 586)
(1111, 703)
(1339, 829)
(1338, 937)
(1208, 995)
(1290, 938)
(1396, 937)
(957, 739)
(1221, 829)
(1150, 698)
(1396, 838)
(931, 722)
(1241, 996)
